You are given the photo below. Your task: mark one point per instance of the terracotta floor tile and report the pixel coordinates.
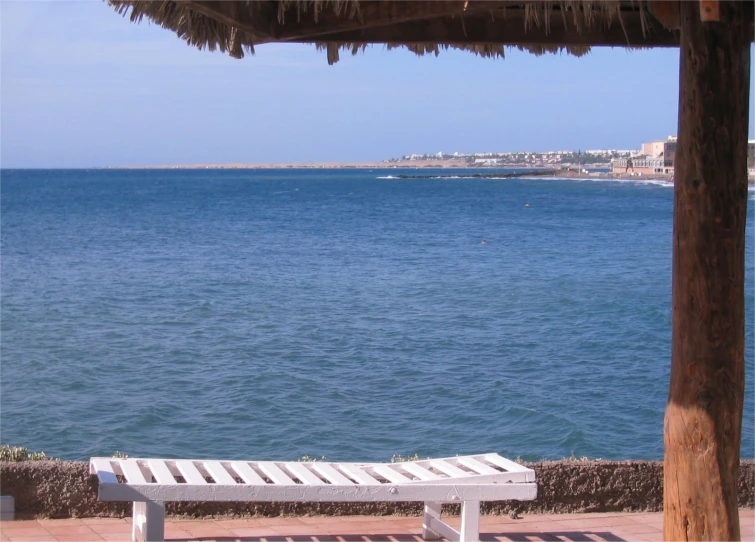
(582, 521)
(119, 527)
(645, 537)
(315, 520)
(69, 529)
(647, 518)
(368, 529)
(26, 531)
(176, 533)
(553, 537)
(538, 527)
(604, 527)
(284, 522)
(349, 519)
(242, 522)
(257, 532)
(67, 521)
(183, 535)
(105, 521)
(608, 534)
(78, 536)
(18, 525)
(639, 528)
(620, 520)
(287, 530)
(529, 518)
(623, 535)
(404, 522)
(523, 536)
(187, 523)
(383, 537)
(207, 534)
(34, 530)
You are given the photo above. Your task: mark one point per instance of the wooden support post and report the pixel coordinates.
(703, 425)
(666, 12)
(709, 11)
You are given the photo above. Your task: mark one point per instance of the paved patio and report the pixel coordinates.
(609, 527)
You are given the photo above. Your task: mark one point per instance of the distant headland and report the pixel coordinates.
(439, 164)
(654, 161)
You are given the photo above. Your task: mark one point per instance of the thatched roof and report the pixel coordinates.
(482, 27)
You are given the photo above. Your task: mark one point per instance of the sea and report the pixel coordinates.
(346, 313)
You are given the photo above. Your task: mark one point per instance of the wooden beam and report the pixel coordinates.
(261, 18)
(667, 12)
(703, 424)
(255, 19)
(709, 11)
(376, 14)
(510, 31)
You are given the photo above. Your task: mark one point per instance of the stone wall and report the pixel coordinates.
(64, 489)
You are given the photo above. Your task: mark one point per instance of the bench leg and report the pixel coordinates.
(470, 521)
(148, 523)
(432, 510)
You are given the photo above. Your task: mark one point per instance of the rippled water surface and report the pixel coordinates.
(272, 314)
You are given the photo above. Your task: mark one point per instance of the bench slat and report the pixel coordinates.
(132, 472)
(390, 474)
(247, 473)
(360, 476)
(475, 465)
(332, 475)
(505, 463)
(304, 474)
(104, 470)
(190, 473)
(275, 474)
(422, 491)
(420, 472)
(451, 470)
(160, 471)
(218, 473)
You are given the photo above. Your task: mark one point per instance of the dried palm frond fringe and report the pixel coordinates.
(204, 32)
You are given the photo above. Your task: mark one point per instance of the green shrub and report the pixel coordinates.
(18, 453)
(310, 459)
(402, 459)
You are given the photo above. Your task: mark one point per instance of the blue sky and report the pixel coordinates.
(81, 86)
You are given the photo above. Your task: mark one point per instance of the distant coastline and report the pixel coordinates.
(438, 164)
(564, 171)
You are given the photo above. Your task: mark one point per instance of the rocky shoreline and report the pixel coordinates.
(65, 489)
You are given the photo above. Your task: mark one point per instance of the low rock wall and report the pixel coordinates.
(64, 489)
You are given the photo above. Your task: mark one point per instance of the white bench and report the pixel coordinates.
(468, 480)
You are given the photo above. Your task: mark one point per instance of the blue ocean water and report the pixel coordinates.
(273, 314)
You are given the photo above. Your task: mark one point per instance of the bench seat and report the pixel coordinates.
(468, 480)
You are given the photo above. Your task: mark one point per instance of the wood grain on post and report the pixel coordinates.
(703, 424)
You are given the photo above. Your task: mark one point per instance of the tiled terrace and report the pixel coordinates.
(610, 527)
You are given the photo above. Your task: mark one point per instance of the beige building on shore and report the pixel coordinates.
(656, 157)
